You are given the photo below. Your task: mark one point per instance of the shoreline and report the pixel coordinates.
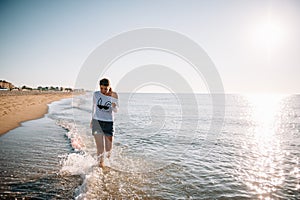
(21, 106)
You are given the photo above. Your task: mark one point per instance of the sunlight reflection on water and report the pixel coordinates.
(263, 169)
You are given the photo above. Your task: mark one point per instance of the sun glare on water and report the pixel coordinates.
(264, 108)
(265, 111)
(266, 173)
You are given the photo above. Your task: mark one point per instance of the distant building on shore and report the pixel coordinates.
(6, 85)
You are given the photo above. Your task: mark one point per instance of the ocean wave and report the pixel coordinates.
(72, 134)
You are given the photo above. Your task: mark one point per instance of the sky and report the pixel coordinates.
(254, 45)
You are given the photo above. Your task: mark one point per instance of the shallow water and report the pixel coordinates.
(30, 162)
(162, 150)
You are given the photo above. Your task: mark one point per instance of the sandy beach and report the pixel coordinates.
(17, 106)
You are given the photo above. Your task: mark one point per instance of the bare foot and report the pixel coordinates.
(108, 155)
(101, 164)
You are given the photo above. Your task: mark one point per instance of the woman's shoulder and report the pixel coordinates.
(97, 94)
(114, 95)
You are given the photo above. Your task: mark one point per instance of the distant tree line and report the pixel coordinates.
(51, 88)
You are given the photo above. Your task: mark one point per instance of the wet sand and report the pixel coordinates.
(21, 106)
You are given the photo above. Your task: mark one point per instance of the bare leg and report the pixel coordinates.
(99, 138)
(108, 144)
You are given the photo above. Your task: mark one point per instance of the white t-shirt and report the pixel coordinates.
(102, 108)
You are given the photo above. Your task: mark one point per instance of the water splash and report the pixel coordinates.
(77, 164)
(72, 134)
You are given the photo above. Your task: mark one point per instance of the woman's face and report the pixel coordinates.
(104, 89)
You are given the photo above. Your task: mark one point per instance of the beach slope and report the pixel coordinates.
(17, 107)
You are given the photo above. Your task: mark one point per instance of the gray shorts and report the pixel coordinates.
(102, 127)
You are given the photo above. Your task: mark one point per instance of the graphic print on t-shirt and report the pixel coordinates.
(102, 107)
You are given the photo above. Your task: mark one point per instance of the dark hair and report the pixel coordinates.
(104, 82)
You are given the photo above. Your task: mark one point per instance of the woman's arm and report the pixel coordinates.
(92, 109)
(115, 104)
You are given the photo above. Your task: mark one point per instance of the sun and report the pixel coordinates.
(270, 34)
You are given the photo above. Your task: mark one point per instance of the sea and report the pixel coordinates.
(166, 146)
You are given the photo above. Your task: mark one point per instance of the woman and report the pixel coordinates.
(105, 103)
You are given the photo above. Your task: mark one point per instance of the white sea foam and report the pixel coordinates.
(73, 135)
(77, 164)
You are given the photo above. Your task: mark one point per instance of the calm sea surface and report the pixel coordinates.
(165, 147)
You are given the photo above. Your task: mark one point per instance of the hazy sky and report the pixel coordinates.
(254, 45)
